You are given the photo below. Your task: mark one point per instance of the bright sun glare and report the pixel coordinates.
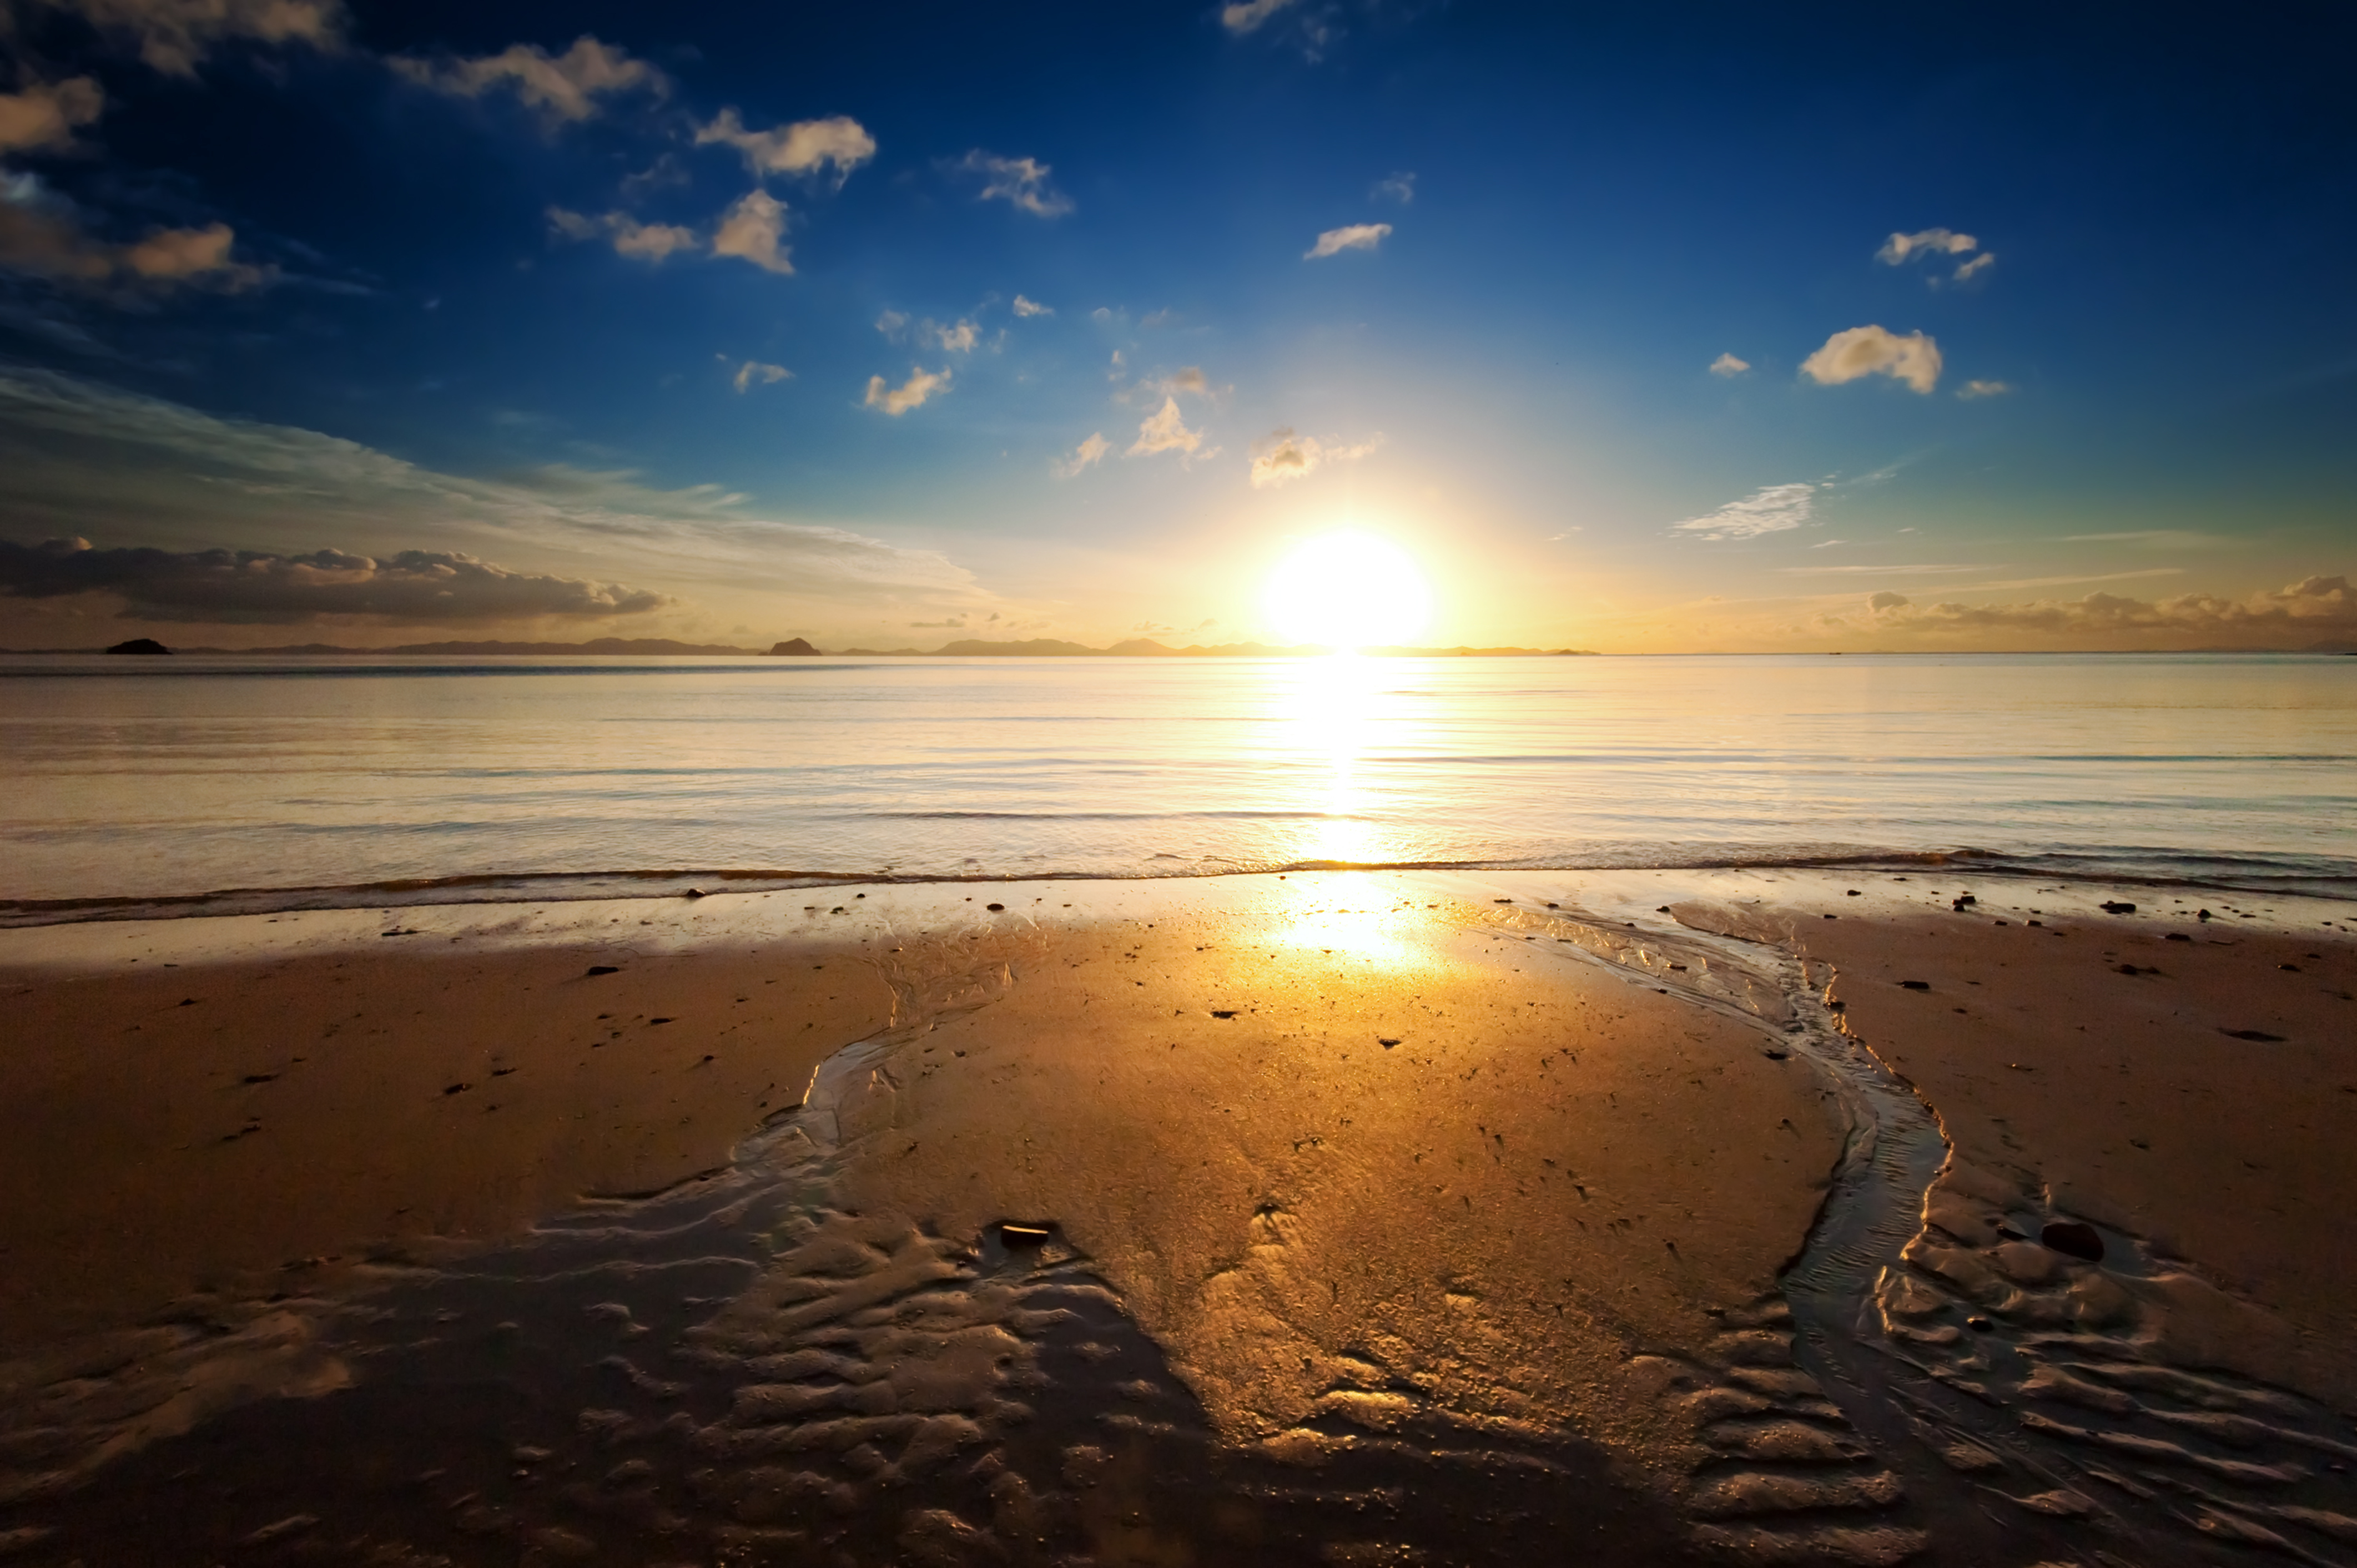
(1348, 590)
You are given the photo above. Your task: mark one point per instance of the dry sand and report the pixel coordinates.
(1366, 1158)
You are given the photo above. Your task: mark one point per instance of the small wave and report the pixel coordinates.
(2315, 877)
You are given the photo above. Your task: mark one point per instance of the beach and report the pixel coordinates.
(1708, 1213)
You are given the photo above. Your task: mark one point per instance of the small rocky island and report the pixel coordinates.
(139, 645)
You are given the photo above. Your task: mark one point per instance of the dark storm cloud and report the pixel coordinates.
(253, 587)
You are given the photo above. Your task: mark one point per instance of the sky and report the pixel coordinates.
(1641, 329)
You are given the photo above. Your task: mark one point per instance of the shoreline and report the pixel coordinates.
(2317, 882)
(1640, 1097)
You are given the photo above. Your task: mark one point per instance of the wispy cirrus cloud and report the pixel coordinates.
(1022, 183)
(564, 89)
(1399, 187)
(1350, 237)
(1027, 308)
(807, 147)
(1728, 366)
(1773, 508)
(1980, 388)
(1911, 359)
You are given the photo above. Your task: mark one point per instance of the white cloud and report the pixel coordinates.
(2314, 608)
(640, 241)
(2157, 539)
(174, 36)
(1977, 264)
(1032, 308)
(44, 116)
(1729, 365)
(1769, 510)
(1399, 187)
(1188, 378)
(753, 373)
(1897, 250)
(804, 148)
(1165, 431)
(564, 87)
(1284, 455)
(913, 394)
(1022, 182)
(1350, 237)
(1086, 453)
(959, 339)
(1246, 16)
(1862, 351)
(1983, 389)
(750, 231)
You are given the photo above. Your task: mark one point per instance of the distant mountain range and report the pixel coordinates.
(1147, 648)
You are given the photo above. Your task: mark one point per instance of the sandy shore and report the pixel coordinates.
(1360, 1158)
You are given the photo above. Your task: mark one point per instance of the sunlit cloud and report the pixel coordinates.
(640, 241)
(43, 237)
(1032, 308)
(1772, 510)
(175, 36)
(838, 142)
(80, 458)
(1936, 244)
(1350, 237)
(43, 117)
(2157, 539)
(257, 588)
(1283, 457)
(1019, 182)
(751, 231)
(2314, 606)
(1247, 16)
(1087, 453)
(1861, 351)
(562, 88)
(1165, 431)
(1729, 366)
(753, 373)
(913, 394)
(1978, 389)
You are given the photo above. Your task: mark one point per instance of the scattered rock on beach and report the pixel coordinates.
(2114, 907)
(1914, 985)
(2259, 1035)
(605, 969)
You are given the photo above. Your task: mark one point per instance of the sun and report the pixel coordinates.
(1348, 590)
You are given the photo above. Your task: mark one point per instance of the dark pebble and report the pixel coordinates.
(1914, 985)
(2114, 906)
(2072, 1239)
(458, 1089)
(2177, 937)
(1979, 1324)
(605, 969)
(994, 909)
(1387, 1045)
(2259, 1035)
(1223, 1012)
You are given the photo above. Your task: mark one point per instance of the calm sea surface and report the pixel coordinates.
(127, 777)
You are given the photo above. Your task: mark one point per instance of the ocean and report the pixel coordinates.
(252, 782)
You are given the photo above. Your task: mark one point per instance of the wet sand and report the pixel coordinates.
(1348, 1170)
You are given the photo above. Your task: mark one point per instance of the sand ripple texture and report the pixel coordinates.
(1368, 1220)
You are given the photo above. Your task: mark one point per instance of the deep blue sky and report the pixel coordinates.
(419, 333)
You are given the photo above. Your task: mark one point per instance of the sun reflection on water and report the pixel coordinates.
(1337, 710)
